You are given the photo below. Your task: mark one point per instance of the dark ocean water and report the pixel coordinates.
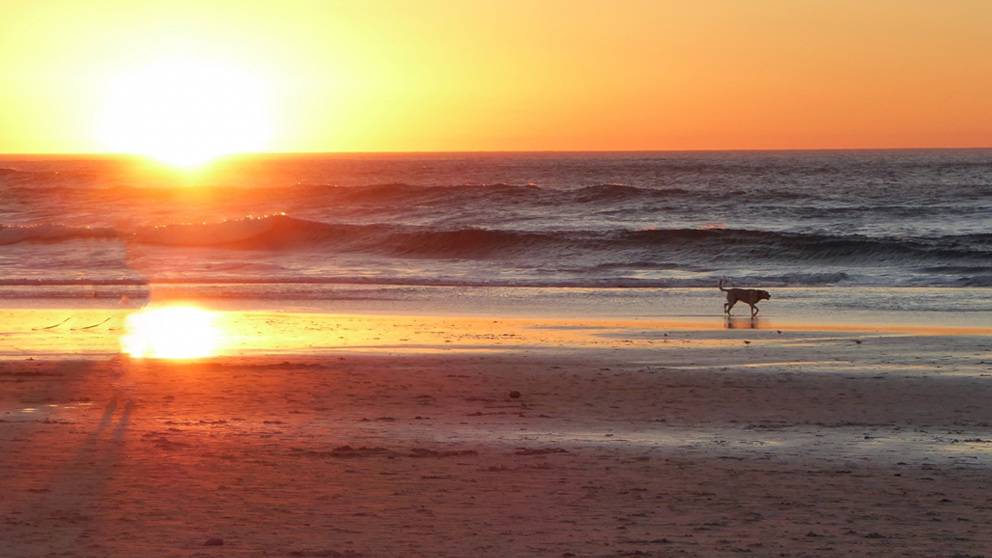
(856, 218)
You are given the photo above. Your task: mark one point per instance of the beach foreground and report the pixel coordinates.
(792, 443)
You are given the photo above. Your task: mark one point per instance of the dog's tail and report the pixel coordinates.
(720, 286)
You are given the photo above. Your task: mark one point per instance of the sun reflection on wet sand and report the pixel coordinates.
(187, 331)
(171, 332)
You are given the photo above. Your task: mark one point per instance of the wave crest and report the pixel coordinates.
(596, 252)
(15, 234)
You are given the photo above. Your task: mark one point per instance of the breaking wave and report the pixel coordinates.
(282, 232)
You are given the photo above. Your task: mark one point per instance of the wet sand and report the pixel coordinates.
(644, 443)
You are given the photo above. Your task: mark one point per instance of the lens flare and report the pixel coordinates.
(171, 332)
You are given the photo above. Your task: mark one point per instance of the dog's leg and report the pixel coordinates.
(754, 311)
(727, 307)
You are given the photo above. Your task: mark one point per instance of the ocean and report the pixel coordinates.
(298, 226)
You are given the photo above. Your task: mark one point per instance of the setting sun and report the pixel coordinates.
(171, 332)
(186, 112)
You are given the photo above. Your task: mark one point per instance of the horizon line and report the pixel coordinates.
(509, 151)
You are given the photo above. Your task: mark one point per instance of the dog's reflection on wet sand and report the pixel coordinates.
(742, 323)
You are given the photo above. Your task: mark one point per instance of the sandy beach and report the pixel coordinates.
(514, 279)
(606, 440)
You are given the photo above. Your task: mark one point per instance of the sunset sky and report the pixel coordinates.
(295, 75)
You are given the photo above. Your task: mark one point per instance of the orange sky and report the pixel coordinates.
(503, 75)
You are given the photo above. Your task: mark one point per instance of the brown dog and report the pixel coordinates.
(749, 296)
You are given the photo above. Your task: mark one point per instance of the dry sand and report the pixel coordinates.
(792, 444)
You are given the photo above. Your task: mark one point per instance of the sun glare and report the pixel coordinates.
(186, 112)
(171, 332)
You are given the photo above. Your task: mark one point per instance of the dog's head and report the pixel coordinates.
(764, 295)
